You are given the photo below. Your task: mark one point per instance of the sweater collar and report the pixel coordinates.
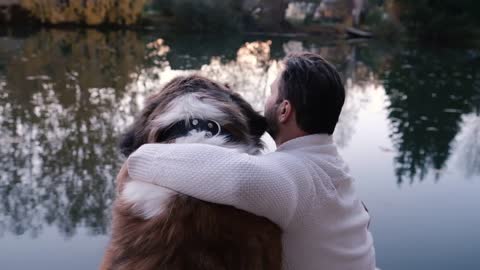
(306, 141)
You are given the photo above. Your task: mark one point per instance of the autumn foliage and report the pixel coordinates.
(90, 12)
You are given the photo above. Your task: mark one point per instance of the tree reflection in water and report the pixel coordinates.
(65, 96)
(468, 142)
(428, 95)
(60, 114)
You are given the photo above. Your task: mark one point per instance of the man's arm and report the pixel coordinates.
(264, 185)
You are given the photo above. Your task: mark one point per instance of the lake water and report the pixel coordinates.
(410, 131)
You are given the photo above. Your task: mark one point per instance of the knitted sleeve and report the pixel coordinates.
(265, 185)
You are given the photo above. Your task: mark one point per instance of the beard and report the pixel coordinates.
(272, 121)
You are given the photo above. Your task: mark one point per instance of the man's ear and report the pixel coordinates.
(285, 111)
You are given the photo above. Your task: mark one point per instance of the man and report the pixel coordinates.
(304, 186)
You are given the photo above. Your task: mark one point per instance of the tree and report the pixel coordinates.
(90, 12)
(440, 20)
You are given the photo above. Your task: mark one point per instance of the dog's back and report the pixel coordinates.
(195, 235)
(189, 233)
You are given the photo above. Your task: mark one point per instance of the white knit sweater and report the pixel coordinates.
(304, 187)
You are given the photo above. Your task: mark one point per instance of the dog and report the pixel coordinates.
(178, 232)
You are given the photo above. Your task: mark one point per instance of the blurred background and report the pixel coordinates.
(73, 74)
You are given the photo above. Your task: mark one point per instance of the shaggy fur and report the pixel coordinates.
(186, 233)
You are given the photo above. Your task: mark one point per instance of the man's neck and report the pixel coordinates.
(286, 136)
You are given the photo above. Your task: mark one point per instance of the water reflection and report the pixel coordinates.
(59, 116)
(428, 95)
(66, 95)
(468, 142)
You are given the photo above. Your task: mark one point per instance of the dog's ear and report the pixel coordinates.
(133, 138)
(128, 142)
(136, 134)
(257, 124)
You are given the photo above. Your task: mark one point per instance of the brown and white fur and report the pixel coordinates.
(156, 228)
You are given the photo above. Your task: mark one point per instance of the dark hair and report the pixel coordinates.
(315, 90)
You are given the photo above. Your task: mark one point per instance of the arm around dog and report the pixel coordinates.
(263, 185)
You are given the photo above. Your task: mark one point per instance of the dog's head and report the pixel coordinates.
(197, 110)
